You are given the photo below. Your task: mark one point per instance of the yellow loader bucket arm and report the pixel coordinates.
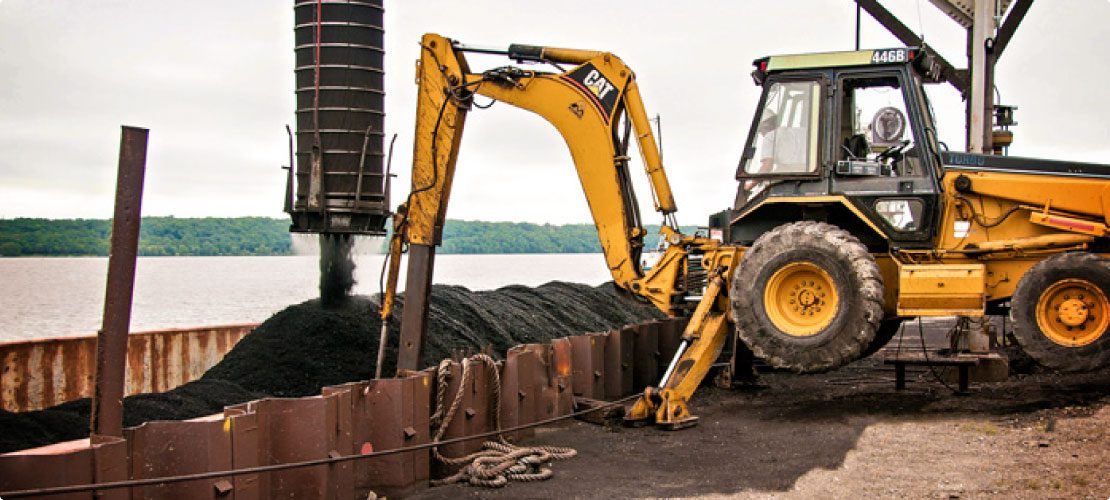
(702, 342)
(587, 104)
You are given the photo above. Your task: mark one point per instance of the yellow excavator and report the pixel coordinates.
(850, 215)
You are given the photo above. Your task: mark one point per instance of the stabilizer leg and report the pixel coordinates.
(702, 343)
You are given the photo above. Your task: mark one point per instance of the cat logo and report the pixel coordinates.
(597, 84)
(600, 91)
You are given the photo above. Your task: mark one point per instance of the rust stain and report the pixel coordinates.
(47, 370)
(81, 370)
(14, 370)
(157, 368)
(184, 349)
(171, 361)
(71, 372)
(58, 379)
(34, 384)
(41, 373)
(135, 352)
(562, 356)
(221, 343)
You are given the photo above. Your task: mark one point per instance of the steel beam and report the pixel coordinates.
(1009, 26)
(953, 11)
(952, 75)
(890, 22)
(106, 418)
(414, 316)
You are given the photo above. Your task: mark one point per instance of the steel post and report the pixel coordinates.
(414, 317)
(979, 125)
(106, 418)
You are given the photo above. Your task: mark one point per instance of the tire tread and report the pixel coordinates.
(842, 347)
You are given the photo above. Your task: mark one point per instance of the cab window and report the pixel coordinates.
(902, 214)
(875, 126)
(785, 140)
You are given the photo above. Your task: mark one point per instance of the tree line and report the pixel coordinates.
(159, 236)
(162, 236)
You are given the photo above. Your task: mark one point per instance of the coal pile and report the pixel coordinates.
(308, 346)
(311, 345)
(70, 420)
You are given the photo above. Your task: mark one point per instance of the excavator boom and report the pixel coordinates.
(594, 105)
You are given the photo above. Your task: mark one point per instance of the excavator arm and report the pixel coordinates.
(595, 105)
(585, 104)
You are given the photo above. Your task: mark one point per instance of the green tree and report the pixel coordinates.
(266, 236)
(10, 249)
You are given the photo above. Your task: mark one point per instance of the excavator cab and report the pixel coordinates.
(853, 219)
(840, 170)
(854, 126)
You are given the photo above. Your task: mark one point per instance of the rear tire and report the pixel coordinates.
(807, 297)
(1061, 312)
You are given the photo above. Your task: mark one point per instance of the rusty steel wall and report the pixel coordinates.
(588, 354)
(386, 414)
(69, 463)
(37, 374)
(537, 382)
(192, 446)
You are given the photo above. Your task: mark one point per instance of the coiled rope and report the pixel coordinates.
(498, 462)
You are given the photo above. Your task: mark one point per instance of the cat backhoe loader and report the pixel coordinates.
(850, 215)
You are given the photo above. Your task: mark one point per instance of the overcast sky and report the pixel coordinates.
(213, 80)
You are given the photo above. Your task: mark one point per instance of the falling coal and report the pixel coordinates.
(337, 269)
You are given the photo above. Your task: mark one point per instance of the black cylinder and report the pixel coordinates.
(340, 178)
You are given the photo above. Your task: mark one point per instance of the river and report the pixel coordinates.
(64, 296)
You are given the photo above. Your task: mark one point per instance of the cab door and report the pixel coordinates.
(879, 153)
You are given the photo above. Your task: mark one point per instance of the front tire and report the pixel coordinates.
(807, 297)
(1061, 312)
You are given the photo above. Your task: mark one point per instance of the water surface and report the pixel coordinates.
(64, 296)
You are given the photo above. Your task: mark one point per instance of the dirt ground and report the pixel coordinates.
(845, 434)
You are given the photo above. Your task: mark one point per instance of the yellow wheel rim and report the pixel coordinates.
(800, 299)
(1072, 312)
